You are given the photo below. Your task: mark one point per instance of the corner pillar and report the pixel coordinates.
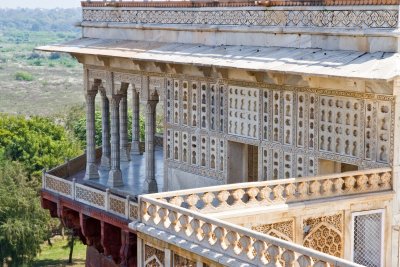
(115, 175)
(135, 146)
(91, 167)
(123, 124)
(105, 120)
(150, 183)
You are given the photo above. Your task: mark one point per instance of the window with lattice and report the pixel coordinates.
(368, 238)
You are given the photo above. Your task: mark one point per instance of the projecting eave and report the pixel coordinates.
(299, 61)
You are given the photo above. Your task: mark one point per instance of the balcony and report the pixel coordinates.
(204, 218)
(199, 221)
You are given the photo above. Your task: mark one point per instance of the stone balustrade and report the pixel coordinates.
(228, 239)
(228, 197)
(104, 200)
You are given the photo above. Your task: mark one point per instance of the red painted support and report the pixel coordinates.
(111, 241)
(128, 249)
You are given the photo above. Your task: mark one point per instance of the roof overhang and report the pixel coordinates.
(298, 61)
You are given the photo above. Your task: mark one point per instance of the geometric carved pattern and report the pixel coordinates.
(325, 234)
(295, 127)
(243, 112)
(300, 18)
(283, 230)
(348, 129)
(180, 261)
(91, 197)
(117, 205)
(192, 105)
(58, 185)
(153, 257)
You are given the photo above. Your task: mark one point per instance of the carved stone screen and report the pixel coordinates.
(292, 127)
(367, 239)
(195, 126)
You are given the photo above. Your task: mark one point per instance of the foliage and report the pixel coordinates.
(36, 142)
(23, 76)
(23, 223)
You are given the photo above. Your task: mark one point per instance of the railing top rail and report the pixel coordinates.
(248, 232)
(227, 187)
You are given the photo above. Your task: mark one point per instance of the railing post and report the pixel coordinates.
(107, 199)
(67, 163)
(127, 207)
(73, 188)
(44, 179)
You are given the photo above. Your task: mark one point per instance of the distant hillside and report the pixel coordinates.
(40, 19)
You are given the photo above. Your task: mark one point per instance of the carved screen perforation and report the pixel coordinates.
(185, 104)
(170, 144)
(370, 131)
(204, 106)
(340, 125)
(384, 131)
(213, 107)
(221, 108)
(176, 102)
(312, 114)
(301, 121)
(177, 145)
(266, 111)
(194, 105)
(276, 116)
(203, 149)
(243, 111)
(194, 150)
(185, 147)
(288, 118)
(213, 153)
(169, 101)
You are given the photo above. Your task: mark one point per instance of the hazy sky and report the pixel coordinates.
(39, 3)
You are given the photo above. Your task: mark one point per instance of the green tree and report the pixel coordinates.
(23, 223)
(36, 142)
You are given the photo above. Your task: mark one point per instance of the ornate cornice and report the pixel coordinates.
(314, 18)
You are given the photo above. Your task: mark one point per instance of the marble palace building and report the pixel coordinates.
(280, 139)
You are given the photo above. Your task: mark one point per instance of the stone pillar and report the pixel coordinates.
(105, 120)
(91, 167)
(135, 146)
(115, 175)
(150, 183)
(123, 124)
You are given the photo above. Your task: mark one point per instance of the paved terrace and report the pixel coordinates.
(133, 173)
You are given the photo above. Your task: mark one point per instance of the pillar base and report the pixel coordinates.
(115, 178)
(150, 186)
(105, 164)
(135, 148)
(91, 172)
(124, 154)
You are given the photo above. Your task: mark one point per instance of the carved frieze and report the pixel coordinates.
(350, 18)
